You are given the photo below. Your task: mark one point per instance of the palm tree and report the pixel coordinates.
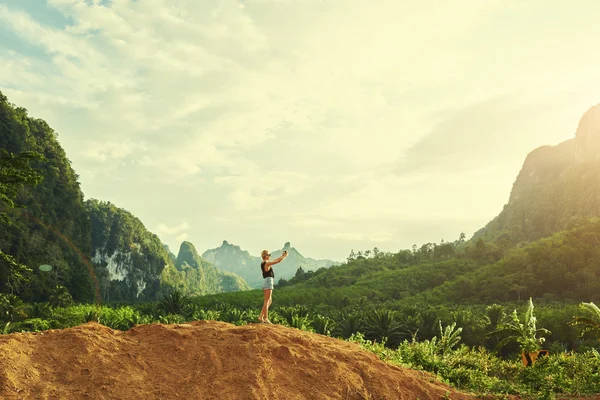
(383, 324)
(175, 302)
(322, 325)
(349, 324)
(288, 314)
(494, 314)
(427, 323)
(11, 307)
(589, 321)
(523, 333)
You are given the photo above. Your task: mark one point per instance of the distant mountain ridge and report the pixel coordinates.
(233, 258)
(558, 188)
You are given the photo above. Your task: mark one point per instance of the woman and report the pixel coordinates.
(268, 282)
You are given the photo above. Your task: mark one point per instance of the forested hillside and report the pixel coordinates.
(50, 224)
(565, 266)
(557, 189)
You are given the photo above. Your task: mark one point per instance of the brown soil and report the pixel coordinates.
(201, 360)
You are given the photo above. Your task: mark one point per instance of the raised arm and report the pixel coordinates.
(276, 261)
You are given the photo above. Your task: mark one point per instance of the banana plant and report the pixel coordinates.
(524, 333)
(589, 321)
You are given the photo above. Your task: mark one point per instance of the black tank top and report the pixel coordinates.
(268, 273)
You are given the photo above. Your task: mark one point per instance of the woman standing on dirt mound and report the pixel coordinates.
(268, 282)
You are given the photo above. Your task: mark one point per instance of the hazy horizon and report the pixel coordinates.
(334, 125)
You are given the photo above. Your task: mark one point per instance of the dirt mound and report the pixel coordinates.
(201, 360)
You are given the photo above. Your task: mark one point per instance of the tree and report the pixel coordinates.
(15, 173)
(376, 252)
(383, 324)
(352, 256)
(299, 274)
(349, 324)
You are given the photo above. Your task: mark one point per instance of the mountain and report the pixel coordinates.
(558, 188)
(51, 224)
(201, 277)
(128, 258)
(170, 253)
(229, 257)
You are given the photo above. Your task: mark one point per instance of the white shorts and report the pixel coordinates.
(268, 283)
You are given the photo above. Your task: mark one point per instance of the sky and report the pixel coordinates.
(332, 124)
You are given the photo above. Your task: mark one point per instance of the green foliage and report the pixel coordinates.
(60, 297)
(469, 368)
(589, 320)
(382, 324)
(175, 302)
(29, 325)
(323, 325)
(477, 370)
(449, 337)
(349, 324)
(295, 317)
(15, 173)
(563, 266)
(234, 316)
(122, 318)
(11, 307)
(525, 333)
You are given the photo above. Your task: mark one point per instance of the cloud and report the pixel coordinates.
(254, 191)
(485, 135)
(182, 237)
(329, 116)
(113, 151)
(173, 235)
(164, 229)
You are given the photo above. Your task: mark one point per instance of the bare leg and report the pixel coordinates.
(261, 318)
(264, 314)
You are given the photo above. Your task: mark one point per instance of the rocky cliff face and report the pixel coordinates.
(129, 259)
(557, 188)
